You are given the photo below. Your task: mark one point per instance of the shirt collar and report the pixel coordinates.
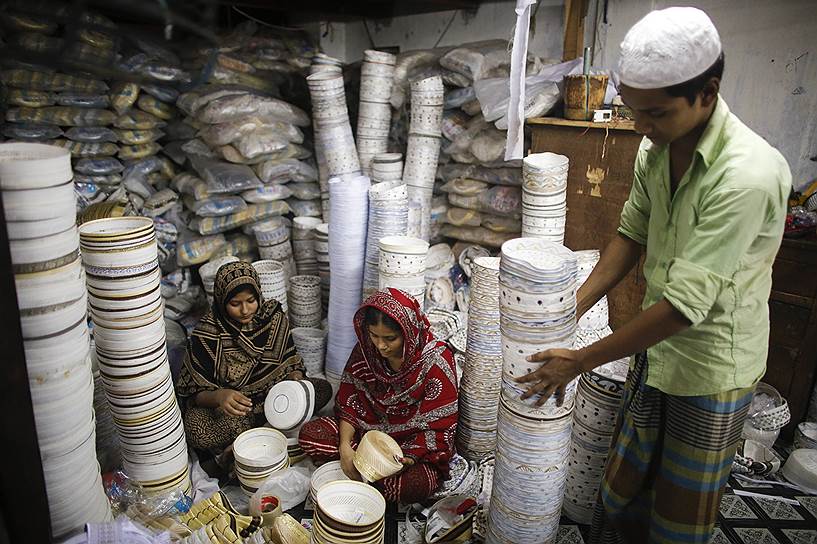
(710, 143)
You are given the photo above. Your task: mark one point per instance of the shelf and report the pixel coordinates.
(617, 124)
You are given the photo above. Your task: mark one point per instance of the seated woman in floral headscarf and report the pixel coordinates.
(399, 380)
(239, 350)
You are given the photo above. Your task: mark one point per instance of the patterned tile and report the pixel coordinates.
(307, 522)
(778, 509)
(809, 503)
(719, 538)
(801, 536)
(733, 507)
(756, 536)
(569, 534)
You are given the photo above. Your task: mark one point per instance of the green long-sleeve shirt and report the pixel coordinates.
(710, 250)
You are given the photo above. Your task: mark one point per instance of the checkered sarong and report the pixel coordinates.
(668, 465)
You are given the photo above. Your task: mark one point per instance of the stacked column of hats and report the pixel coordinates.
(127, 309)
(598, 399)
(544, 196)
(333, 133)
(402, 265)
(374, 114)
(347, 253)
(303, 245)
(423, 152)
(537, 301)
(482, 372)
(388, 216)
(40, 208)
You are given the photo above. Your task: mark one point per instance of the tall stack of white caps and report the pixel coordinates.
(482, 372)
(402, 265)
(537, 303)
(597, 402)
(374, 114)
(423, 152)
(388, 216)
(333, 133)
(40, 210)
(544, 196)
(127, 309)
(323, 63)
(347, 254)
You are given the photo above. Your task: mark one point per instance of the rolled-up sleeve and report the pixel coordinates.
(635, 215)
(728, 223)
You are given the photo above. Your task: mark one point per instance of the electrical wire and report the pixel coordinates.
(260, 22)
(445, 30)
(369, 34)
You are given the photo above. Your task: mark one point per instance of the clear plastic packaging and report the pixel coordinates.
(179, 130)
(29, 98)
(305, 208)
(464, 187)
(188, 184)
(267, 193)
(125, 493)
(81, 100)
(196, 148)
(98, 167)
(229, 108)
(305, 191)
(261, 141)
(198, 250)
(290, 485)
(91, 134)
(227, 133)
(62, 116)
(253, 213)
(216, 206)
(494, 176)
(222, 177)
(477, 235)
(154, 106)
(165, 94)
(136, 119)
(285, 170)
(43, 81)
(135, 152)
(31, 131)
(123, 96)
(82, 149)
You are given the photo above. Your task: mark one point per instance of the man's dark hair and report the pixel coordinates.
(690, 89)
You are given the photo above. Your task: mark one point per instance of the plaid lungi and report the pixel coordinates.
(669, 463)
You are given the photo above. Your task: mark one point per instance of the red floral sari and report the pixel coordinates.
(416, 405)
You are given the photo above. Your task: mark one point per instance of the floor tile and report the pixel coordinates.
(719, 538)
(733, 507)
(778, 510)
(569, 534)
(809, 502)
(801, 536)
(756, 536)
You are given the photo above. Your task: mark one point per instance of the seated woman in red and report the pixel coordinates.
(399, 380)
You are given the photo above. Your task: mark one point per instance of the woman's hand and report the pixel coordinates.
(347, 455)
(560, 367)
(406, 461)
(233, 403)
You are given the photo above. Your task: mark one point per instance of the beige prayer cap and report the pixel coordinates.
(668, 47)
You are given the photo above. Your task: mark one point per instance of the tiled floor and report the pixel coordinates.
(742, 520)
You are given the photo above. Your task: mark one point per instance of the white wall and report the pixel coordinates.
(492, 20)
(771, 54)
(770, 80)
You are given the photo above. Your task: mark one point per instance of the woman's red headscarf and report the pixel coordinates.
(416, 405)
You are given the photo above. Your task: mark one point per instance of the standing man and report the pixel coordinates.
(708, 203)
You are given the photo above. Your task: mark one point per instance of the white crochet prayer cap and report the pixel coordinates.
(668, 47)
